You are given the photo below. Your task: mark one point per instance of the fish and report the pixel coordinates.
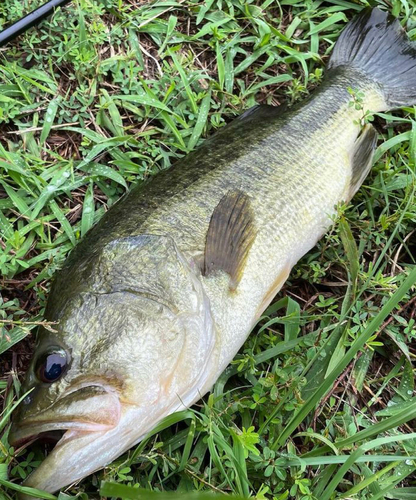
(156, 300)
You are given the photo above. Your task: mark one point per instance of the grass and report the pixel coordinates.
(320, 401)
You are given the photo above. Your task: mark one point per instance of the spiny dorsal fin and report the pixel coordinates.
(230, 235)
(362, 160)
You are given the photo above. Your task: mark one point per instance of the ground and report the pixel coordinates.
(320, 401)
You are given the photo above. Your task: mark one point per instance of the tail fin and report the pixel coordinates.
(375, 43)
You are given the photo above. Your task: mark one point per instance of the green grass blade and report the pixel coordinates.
(201, 121)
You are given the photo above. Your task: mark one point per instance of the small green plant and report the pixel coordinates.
(357, 102)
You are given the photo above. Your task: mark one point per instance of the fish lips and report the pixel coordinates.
(94, 408)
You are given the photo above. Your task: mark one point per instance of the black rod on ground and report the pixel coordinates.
(30, 20)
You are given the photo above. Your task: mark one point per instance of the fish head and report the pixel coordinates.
(129, 348)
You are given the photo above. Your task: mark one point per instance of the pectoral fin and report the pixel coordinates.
(362, 160)
(230, 235)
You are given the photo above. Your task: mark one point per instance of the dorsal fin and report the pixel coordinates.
(261, 111)
(362, 160)
(230, 235)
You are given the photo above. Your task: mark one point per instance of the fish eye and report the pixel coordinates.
(51, 365)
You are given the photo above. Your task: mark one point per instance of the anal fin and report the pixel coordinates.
(362, 159)
(230, 235)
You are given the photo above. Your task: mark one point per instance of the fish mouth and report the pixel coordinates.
(46, 437)
(90, 409)
(79, 453)
(24, 436)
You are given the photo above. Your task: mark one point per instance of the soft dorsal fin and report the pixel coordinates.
(231, 233)
(261, 111)
(362, 159)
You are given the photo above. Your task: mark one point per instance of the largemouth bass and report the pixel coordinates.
(157, 299)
